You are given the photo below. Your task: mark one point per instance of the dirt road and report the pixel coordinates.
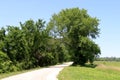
(49, 73)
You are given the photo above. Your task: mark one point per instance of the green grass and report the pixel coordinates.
(87, 73)
(3, 75)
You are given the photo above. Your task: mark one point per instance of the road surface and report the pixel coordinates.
(49, 73)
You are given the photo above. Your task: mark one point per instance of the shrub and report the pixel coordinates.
(4, 62)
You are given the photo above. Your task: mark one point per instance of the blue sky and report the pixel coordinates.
(108, 11)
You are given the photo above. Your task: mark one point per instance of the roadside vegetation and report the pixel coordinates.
(67, 36)
(103, 71)
(3, 75)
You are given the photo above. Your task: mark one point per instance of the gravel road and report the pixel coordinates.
(49, 73)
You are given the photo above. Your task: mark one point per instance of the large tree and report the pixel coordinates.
(76, 29)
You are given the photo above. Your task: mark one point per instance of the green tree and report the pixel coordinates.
(37, 38)
(75, 27)
(2, 36)
(16, 47)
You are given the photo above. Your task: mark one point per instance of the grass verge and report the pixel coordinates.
(87, 73)
(3, 75)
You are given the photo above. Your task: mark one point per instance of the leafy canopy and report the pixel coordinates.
(77, 29)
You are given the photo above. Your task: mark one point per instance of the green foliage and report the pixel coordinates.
(77, 29)
(4, 62)
(67, 36)
(23, 45)
(89, 49)
(47, 59)
(2, 35)
(6, 65)
(29, 46)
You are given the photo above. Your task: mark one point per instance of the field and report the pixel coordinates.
(103, 71)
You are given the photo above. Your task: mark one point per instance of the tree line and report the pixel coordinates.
(68, 36)
(107, 59)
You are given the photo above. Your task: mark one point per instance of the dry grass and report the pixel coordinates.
(102, 66)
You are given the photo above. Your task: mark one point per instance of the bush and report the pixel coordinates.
(47, 59)
(5, 62)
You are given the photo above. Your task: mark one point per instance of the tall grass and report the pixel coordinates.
(108, 63)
